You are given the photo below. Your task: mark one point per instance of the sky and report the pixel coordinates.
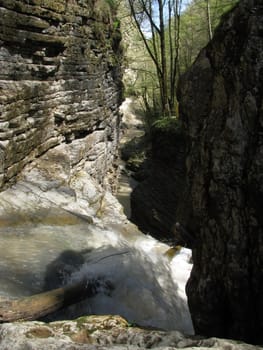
(146, 25)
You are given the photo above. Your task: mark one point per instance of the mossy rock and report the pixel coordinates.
(40, 332)
(166, 124)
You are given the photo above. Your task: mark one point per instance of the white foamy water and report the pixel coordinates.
(145, 290)
(151, 284)
(136, 279)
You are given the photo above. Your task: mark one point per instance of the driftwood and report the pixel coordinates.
(39, 305)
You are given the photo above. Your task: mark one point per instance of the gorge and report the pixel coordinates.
(60, 93)
(217, 197)
(61, 90)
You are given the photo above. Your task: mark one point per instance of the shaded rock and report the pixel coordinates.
(155, 199)
(221, 109)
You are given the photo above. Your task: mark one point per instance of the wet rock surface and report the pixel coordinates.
(221, 109)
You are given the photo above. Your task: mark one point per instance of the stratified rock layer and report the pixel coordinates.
(59, 81)
(222, 111)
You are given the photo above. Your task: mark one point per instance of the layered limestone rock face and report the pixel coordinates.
(60, 82)
(221, 108)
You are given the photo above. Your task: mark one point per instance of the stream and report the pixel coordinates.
(44, 244)
(133, 127)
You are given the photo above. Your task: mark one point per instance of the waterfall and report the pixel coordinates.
(57, 228)
(133, 276)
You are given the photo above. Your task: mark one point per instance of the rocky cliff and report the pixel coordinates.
(60, 83)
(222, 112)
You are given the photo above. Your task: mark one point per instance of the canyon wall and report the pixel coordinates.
(60, 82)
(155, 199)
(222, 113)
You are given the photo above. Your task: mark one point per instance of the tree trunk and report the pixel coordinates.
(164, 79)
(209, 25)
(39, 305)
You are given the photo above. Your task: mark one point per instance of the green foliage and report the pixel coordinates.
(112, 3)
(194, 27)
(166, 124)
(116, 24)
(105, 10)
(142, 79)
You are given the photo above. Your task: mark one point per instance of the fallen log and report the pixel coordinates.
(39, 305)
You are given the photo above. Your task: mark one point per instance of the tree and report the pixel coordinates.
(198, 23)
(208, 16)
(158, 23)
(166, 36)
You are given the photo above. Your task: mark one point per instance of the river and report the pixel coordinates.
(46, 242)
(132, 127)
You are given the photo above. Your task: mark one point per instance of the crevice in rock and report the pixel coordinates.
(76, 135)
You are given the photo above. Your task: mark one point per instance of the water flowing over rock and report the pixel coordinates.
(60, 81)
(59, 222)
(221, 108)
(60, 93)
(58, 228)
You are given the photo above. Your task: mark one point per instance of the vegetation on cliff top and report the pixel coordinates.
(162, 39)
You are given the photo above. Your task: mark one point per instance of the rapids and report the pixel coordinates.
(132, 126)
(60, 226)
(133, 276)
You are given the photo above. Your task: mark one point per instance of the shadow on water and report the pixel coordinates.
(29, 242)
(59, 274)
(130, 278)
(123, 281)
(59, 271)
